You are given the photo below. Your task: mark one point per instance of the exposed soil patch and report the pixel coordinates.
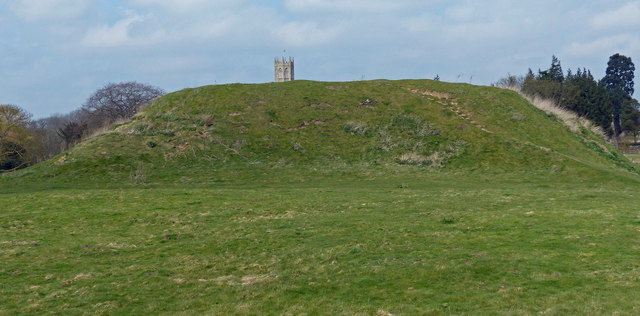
(201, 134)
(61, 160)
(306, 124)
(440, 95)
(317, 105)
(19, 243)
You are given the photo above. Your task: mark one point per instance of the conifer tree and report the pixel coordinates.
(554, 73)
(619, 83)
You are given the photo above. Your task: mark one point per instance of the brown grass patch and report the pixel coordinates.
(439, 95)
(253, 279)
(285, 215)
(306, 124)
(568, 117)
(316, 105)
(61, 160)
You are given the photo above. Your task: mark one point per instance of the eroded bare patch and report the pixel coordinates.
(439, 95)
(306, 124)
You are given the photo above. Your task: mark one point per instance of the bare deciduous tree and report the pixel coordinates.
(48, 140)
(72, 132)
(119, 100)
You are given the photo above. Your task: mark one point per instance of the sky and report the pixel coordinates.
(55, 53)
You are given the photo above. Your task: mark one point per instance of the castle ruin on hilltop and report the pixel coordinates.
(284, 69)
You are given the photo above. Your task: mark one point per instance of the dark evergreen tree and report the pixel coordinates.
(571, 92)
(588, 99)
(547, 84)
(619, 83)
(554, 73)
(630, 118)
(601, 102)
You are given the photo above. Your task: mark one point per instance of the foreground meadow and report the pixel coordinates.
(430, 244)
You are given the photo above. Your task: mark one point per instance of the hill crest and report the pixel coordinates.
(214, 133)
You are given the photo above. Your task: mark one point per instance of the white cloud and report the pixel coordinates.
(422, 24)
(478, 31)
(35, 10)
(625, 16)
(348, 5)
(465, 22)
(211, 29)
(299, 34)
(185, 6)
(461, 12)
(120, 34)
(178, 21)
(604, 46)
(163, 65)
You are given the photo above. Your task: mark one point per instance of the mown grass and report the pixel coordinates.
(430, 244)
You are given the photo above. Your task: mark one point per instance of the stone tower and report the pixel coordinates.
(284, 69)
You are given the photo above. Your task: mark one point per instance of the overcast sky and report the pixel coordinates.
(55, 53)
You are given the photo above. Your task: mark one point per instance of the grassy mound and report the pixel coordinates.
(303, 128)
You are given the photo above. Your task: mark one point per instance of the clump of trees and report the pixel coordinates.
(15, 137)
(607, 102)
(24, 141)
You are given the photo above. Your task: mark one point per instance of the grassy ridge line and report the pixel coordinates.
(213, 133)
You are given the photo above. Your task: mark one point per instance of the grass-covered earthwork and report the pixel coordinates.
(373, 198)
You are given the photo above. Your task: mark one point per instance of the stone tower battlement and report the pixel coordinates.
(284, 69)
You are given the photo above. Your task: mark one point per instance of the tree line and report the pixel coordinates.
(607, 102)
(24, 141)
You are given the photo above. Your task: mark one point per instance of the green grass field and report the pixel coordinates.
(402, 245)
(295, 199)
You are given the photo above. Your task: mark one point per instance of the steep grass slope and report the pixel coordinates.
(304, 128)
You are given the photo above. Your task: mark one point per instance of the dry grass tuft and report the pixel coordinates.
(98, 131)
(435, 160)
(570, 118)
